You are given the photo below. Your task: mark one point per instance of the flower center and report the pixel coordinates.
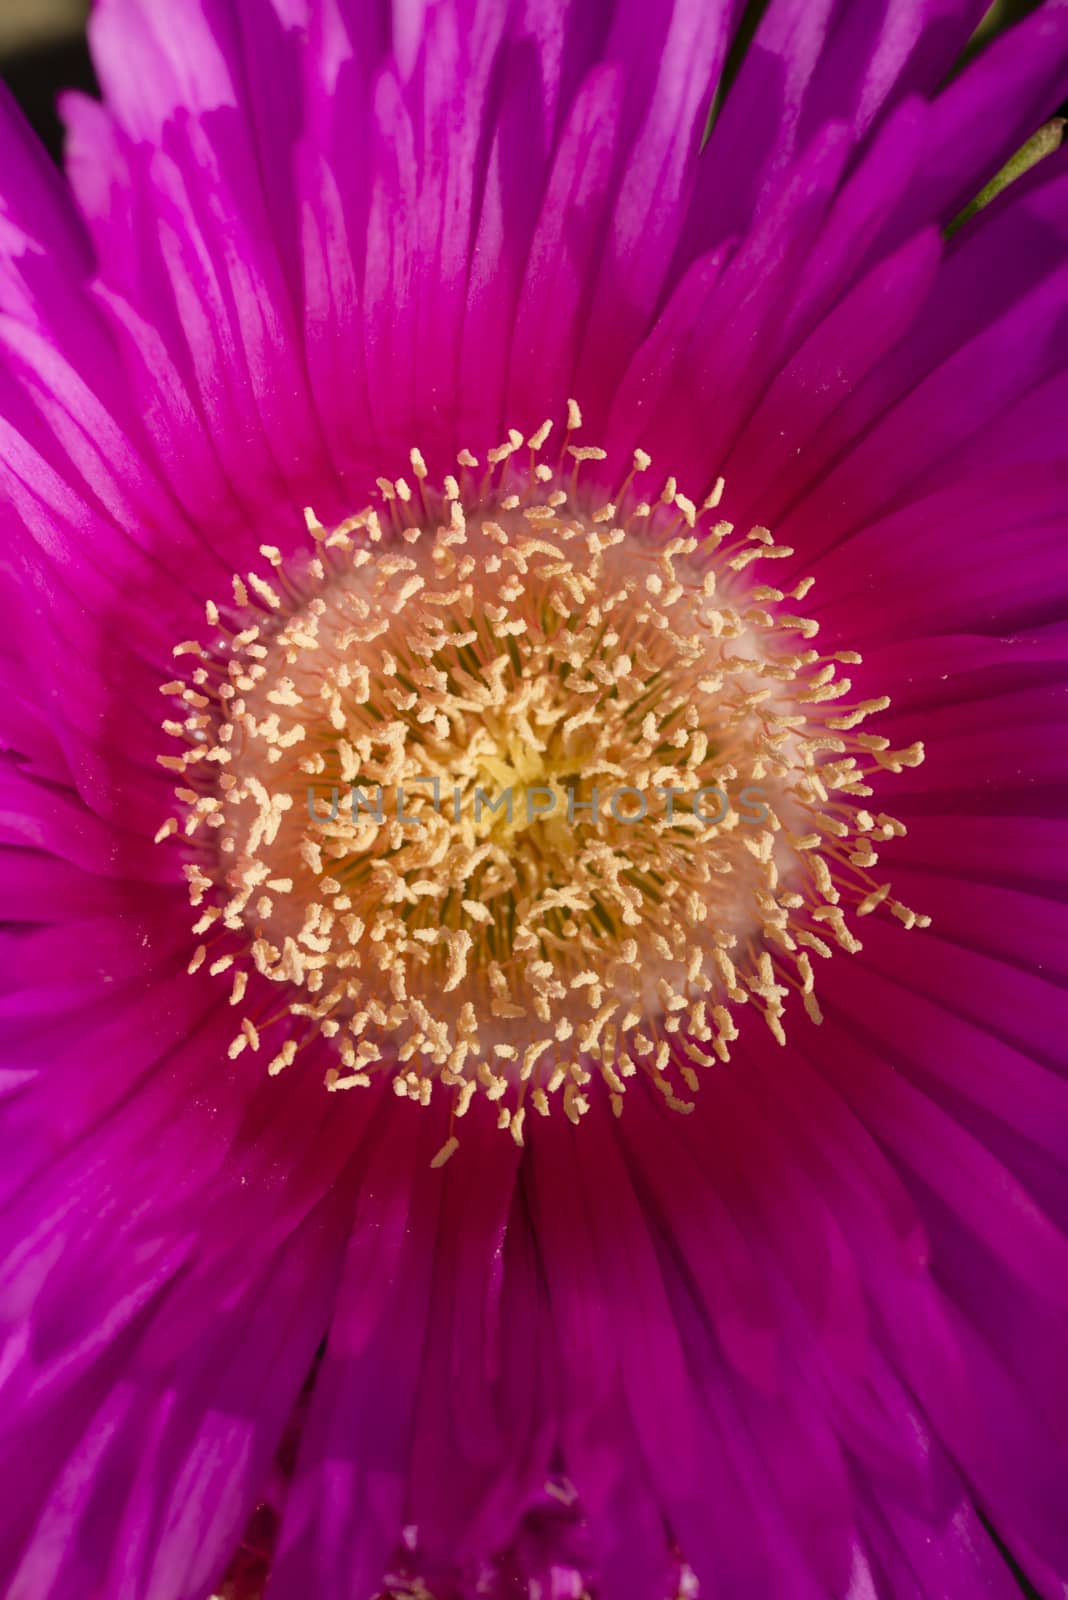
(513, 787)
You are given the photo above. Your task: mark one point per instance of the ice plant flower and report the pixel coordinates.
(533, 725)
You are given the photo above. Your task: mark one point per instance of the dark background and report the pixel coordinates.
(43, 51)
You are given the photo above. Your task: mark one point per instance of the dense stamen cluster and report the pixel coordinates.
(417, 779)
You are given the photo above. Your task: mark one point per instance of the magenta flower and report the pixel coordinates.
(600, 1125)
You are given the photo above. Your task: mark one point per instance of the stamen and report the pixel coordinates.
(524, 789)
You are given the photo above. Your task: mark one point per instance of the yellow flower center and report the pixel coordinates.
(512, 787)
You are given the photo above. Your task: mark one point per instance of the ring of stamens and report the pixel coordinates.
(371, 740)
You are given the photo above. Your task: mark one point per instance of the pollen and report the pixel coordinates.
(522, 788)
